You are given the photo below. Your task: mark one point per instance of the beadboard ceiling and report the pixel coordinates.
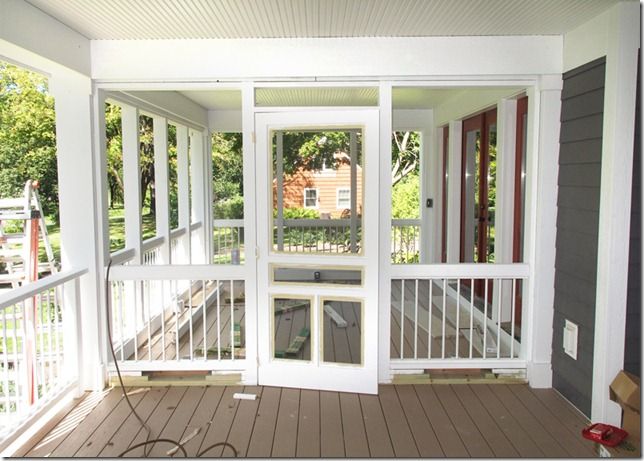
(230, 19)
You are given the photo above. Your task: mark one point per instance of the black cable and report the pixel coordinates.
(116, 364)
(147, 442)
(218, 444)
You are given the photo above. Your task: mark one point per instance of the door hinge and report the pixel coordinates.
(253, 137)
(256, 252)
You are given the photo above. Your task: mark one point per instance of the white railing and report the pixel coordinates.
(405, 241)
(228, 241)
(151, 251)
(466, 314)
(38, 354)
(177, 317)
(316, 236)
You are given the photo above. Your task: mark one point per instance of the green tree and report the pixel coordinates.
(27, 136)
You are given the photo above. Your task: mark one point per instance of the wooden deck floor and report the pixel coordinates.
(439, 420)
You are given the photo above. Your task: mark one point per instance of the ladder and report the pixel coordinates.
(22, 226)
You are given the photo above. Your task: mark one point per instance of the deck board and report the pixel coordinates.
(376, 427)
(121, 439)
(494, 436)
(95, 443)
(261, 441)
(222, 422)
(355, 437)
(529, 423)
(332, 440)
(399, 431)
(448, 437)
(201, 419)
(82, 432)
(242, 428)
(184, 411)
(474, 441)
(421, 420)
(157, 422)
(421, 429)
(521, 441)
(285, 440)
(572, 443)
(308, 429)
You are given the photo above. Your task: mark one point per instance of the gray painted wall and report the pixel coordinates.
(633, 343)
(582, 108)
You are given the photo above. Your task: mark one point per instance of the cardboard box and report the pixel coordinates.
(625, 390)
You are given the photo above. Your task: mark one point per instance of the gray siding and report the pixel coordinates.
(582, 108)
(633, 345)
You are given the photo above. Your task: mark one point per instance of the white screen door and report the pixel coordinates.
(317, 266)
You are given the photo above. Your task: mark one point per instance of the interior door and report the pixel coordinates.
(478, 192)
(317, 224)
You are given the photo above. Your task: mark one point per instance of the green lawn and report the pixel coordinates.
(117, 231)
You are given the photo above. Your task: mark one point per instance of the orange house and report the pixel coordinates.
(327, 190)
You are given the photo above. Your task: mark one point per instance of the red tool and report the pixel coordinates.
(605, 434)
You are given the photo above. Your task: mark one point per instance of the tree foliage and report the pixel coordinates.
(27, 136)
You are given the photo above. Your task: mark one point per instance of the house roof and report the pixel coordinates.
(228, 19)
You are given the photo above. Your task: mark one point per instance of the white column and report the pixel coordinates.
(198, 209)
(183, 194)
(429, 188)
(454, 192)
(544, 109)
(504, 213)
(384, 278)
(250, 242)
(81, 224)
(433, 226)
(615, 206)
(131, 180)
(161, 185)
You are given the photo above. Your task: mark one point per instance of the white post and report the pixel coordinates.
(81, 229)
(353, 154)
(614, 207)
(183, 194)
(131, 180)
(250, 239)
(504, 213)
(384, 278)
(279, 176)
(542, 169)
(429, 188)
(161, 185)
(198, 209)
(454, 192)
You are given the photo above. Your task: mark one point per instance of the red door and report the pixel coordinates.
(478, 192)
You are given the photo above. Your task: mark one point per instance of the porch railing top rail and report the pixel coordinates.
(228, 223)
(27, 291)
(177, 272)
(461, 270)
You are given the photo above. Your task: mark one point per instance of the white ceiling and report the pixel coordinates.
(215, 99)
(402, 97)
(312, 97)
(205, 19)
